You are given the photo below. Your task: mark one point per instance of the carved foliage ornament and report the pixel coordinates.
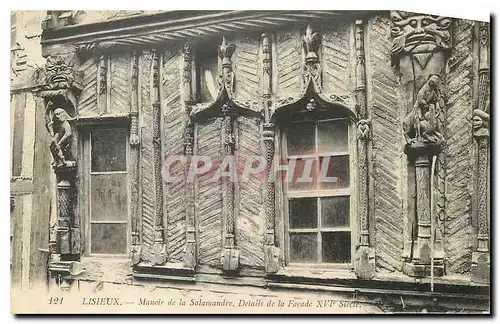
(312, 69)
(226, 79)
(418, 33)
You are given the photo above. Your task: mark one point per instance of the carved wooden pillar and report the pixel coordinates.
(60, 93)
(480, 268)
(159, 246)
(420, 47)
(101, 85)
(365, 255)
(190, 251)
(231, 255)
(271, 251)
(134, 164)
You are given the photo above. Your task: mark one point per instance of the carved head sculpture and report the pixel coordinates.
(480, 119)
(59, 73)
(419, 33)
(311, 105)
(61, 115)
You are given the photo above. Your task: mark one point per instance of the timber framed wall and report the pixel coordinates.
(147, 75)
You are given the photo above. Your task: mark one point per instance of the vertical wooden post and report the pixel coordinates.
(480, 268)
(159, 246)
(365, 254)
(134, 164)
(190, 250)
(231, 255)
(271, 251)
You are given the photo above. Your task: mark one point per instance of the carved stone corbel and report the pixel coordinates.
(364, 264)
(60, 93)
(311, 42)
(421, 44)
(134, 162)
(230, 255)
(480, 267)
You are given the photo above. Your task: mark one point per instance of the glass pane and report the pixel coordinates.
(304, 174)
(335, 172)
(336, 247)
(335, 212)
(208, 74)
(300, 138)
(303, 213)
(332, 136)
(108, 150)
(108, 197)
(303, 247)
(108, 238)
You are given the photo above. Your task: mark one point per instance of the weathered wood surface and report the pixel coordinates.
(209, 194)
(459, 151)
(337, 67)
(174, 119)
(87, 102)
(289, 63)
(247, 67)
(147, 159)
(120, 81)
(387, 146)
(250, 221)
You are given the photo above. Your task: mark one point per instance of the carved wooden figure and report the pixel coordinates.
(421, 45)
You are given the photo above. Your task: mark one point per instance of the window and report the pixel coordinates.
(318, 193)
(207, 72)
(108, 221)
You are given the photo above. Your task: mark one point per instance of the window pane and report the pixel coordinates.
(303, 247)
(335, 212)
(334, 174)
(108, 150)
(332, 136)
(108, 238)
(336, 247)
(303, 179)
(300, 138)
(108, 197)
(303, 213)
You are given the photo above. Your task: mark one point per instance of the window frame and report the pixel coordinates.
(86, 201)
(281, 147)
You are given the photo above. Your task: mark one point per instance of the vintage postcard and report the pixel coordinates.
(249, 162)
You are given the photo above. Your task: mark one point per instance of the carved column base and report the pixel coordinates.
(136, 249)
(364, 263)
(190, 252)
(422, 270)
(480, 268)
(272, 259)
(159, 253)
(230, 258)
(60, 272)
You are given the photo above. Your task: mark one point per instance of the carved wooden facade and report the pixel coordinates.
(406, 83)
